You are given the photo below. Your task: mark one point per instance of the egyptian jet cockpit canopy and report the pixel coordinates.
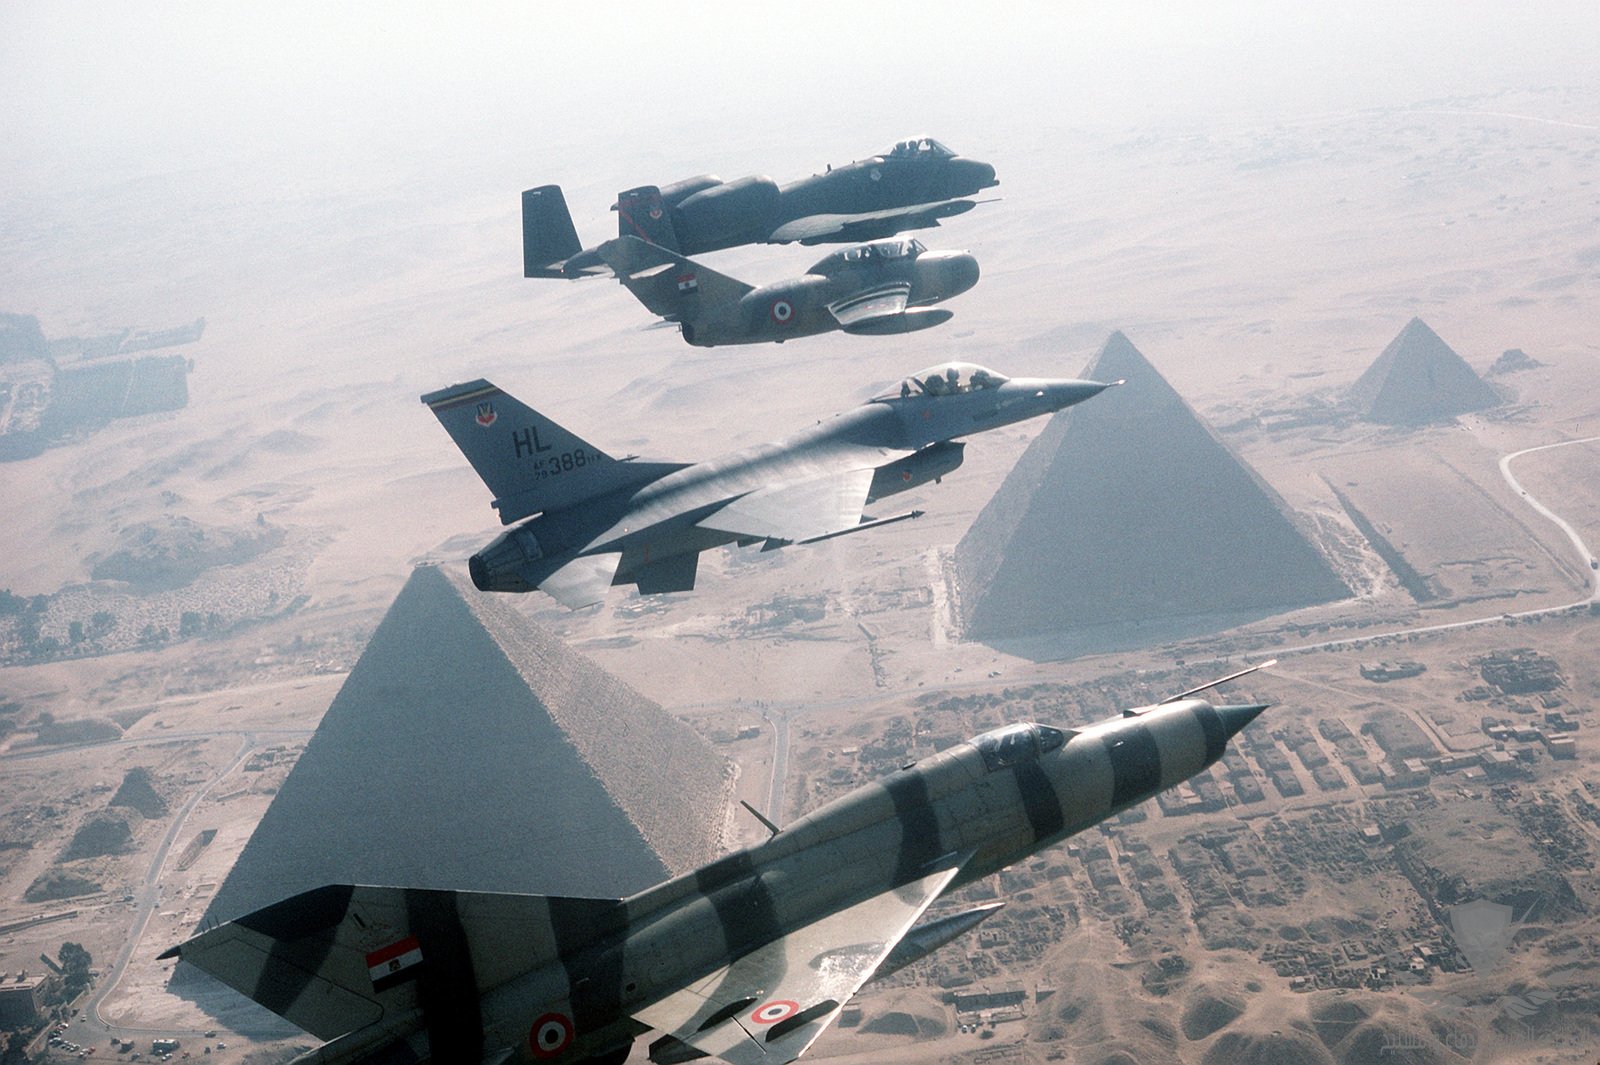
(918, 148)
(879, 251)
(948, 379)
(1015, 744)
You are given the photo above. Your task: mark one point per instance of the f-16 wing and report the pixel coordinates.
(767, 1007)
(802, 510)
(867, 225)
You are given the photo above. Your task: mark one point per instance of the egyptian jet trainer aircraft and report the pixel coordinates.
(872, 289)
(909, 186)
(593, 521)
(747, 959)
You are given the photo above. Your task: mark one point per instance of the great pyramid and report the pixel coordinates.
(1419, 379)
(1127, 523)
(471, 749)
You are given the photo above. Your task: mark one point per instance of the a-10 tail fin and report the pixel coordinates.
(549, 238)
(530, 463)
(642, 213)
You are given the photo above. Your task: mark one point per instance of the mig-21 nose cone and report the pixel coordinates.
(1235, 718)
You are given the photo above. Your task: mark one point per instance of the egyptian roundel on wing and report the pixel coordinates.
(779, 1009)
(551, 1034)
(782, 311)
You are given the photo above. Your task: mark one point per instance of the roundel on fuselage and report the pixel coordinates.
(782, 311)
(551, 1034)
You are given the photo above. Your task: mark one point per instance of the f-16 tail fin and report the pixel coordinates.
(641, 213)
(549, 238)
(409, 960)
(678, 289)
(528, 461)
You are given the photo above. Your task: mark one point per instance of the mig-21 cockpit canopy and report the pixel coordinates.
(866, 254)
(918, 148)
(947, 379)
(1013, 744)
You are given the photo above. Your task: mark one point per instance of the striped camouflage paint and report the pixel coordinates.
(560, 979)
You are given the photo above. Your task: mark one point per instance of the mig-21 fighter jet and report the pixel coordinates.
(589, 521)
(869, 290)
(910, 185)
(748, 959)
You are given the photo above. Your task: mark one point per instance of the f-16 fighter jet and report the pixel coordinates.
(747, 959)
(910, 185)
(589, 520)
(872, 289)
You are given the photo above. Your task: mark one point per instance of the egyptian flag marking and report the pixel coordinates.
(688, 283)
(395, 964)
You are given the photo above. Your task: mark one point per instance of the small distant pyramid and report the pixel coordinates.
(1127, 523)
(471, 749)
(1419, 379)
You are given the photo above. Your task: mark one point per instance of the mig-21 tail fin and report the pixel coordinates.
(529, 462)
(678, 289)
(549, 238)
(408, 964)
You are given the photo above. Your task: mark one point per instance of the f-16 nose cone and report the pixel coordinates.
(1066, 393)
(1235, 718)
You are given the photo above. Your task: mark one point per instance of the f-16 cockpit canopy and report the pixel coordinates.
(875, 252)
(918, 148)
(1014, 744)
(948, 379)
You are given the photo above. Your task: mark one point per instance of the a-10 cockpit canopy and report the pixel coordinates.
(918, 148)
(878, 251)
(1014, 744)
(948, 379)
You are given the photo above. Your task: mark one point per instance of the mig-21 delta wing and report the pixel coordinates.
(911, 185)
(589, 521)
(747, 959)
(872, 289)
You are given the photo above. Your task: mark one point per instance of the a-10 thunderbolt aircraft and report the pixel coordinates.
(593, 521)
(872, 289)
(910, 185)
(747, 959)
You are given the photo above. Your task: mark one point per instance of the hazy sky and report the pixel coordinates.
(104, 86)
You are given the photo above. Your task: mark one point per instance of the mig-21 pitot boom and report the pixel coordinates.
(747, 959)
(589, 521)
(910, 185)
(872, 289)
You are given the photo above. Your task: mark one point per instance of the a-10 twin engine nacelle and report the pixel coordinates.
(920, 467)
(701, 213)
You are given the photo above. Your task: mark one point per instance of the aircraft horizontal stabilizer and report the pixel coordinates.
(583, 581)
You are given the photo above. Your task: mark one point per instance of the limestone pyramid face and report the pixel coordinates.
(1419, 379)
(1126, 523)
(470, 749)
